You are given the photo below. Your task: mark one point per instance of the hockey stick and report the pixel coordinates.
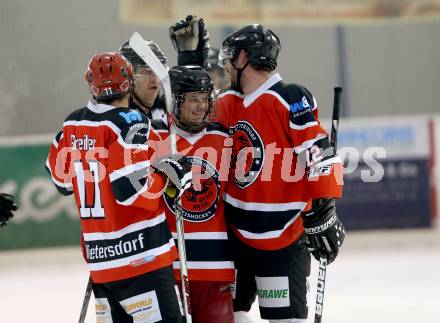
(140, 47)
(85, 305)
(335, 118)
(322, 260)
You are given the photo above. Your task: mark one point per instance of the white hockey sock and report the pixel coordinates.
(242, 317)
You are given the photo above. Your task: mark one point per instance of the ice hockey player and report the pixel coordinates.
(146, 97)
(102, 156)
(278, 123)
(210, 267)
(190, 38)
(7, 206)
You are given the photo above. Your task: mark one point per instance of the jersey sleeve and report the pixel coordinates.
(324, 168)
(129, 165)
(58, 165)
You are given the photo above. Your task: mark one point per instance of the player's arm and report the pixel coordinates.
(129, 167)
(190, 39)
(134, 180)
(311, 143)
(176, 168)
(323, 168)
(58, 165)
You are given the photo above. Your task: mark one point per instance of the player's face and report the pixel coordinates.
(194, 107)
(147, 86)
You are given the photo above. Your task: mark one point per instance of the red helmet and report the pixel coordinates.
(109, 75)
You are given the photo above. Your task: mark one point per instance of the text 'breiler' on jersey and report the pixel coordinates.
(278, 123)
(206, 241)
(102, 155)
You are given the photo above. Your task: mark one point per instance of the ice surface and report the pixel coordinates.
(379, 277)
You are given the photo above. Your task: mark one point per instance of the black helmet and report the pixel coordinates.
(135, 60)
(261, 44)
(186, 79)
(191, 79)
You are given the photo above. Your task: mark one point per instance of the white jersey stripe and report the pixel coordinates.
(308, 143)
(216, 132)
(265, 207)
(269, 234)
(305, 126)
(99, 107)
(55, 143)
(282, 101)
(204, 235)
(144, 188)
(67, 186)
(127, 260)
(274, 79)
(230, 92)
(330, 161)
(109, 124)
(206, 265)
(128, 229)
(128, 170)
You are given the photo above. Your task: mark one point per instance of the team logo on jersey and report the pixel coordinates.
(247, 154)
(300, 106)
(137, 133)
(131, 116)
(199, 204)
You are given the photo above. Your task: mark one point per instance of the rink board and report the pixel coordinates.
(393, 185)
(45, 217)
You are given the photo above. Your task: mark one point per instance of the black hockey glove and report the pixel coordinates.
(178, 170)
(190, 39)
(325, 232)
(7, 205)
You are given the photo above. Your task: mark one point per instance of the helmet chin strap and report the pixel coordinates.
(134, 96)
(238, 87)
(130, 99)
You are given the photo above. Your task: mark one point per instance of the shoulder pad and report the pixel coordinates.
(293, 93)
(78, 115)
(134, 126)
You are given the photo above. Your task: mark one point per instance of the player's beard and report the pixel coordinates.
(235, 82)
(147, 98)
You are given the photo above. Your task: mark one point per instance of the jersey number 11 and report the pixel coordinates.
(95, 211)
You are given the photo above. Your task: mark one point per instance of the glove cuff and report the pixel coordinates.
(196, 57)
(320, 209)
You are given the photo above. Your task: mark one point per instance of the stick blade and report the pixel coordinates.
(141, 48)
(138, 44)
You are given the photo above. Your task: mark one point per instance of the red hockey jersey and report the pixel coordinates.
(102, 155)
(271, 128)
(207, 250)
